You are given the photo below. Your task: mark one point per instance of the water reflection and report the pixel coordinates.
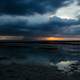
(40, 55)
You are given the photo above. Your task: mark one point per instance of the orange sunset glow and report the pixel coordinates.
(54, 38)
(63, 38)
(50, 38)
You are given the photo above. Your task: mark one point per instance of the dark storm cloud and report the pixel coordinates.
(23, 25)
(71, 30)
(14, 22)
(29, 6)
(78, 2)
(58, 26)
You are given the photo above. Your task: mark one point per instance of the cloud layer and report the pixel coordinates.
(29, 6)
(40, 17)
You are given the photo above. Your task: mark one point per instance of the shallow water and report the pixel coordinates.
(38, 55)
(39, 63)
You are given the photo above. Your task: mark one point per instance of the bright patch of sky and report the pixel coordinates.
(68, 12)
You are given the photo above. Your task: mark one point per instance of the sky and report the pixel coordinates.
(40, 17)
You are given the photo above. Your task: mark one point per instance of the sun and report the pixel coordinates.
(54, 38)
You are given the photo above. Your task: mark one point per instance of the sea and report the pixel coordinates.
(40, 62)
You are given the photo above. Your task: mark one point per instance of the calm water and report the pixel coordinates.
(40, 55)
(60, 61)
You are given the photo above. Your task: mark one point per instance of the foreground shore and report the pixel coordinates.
(36, 72)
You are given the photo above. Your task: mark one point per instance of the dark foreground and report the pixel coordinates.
(37, 72)
(40, 61)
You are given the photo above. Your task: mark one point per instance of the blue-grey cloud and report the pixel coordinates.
(71, 30)
(25, 25)
(29, 6)
(32, 17)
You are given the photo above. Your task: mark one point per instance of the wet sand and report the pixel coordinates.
(35, 72)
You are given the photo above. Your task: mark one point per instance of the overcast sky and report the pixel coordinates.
(39, 17)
